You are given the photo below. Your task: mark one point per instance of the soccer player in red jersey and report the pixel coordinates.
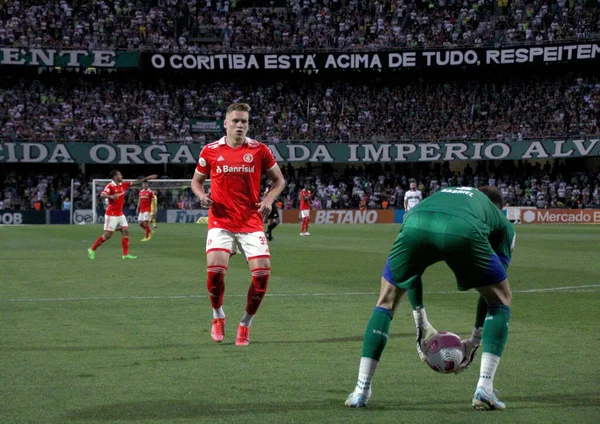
(235, 164)
(144, 209)
(114, 219)
(305, 203)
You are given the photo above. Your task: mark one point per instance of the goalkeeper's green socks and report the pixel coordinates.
(495, 333)
(376, 336)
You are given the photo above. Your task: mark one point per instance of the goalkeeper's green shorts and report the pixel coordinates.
(430, 237)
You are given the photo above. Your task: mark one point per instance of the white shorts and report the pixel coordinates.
(144, 216)
(252, 245)
(111, 223)
(305, 213)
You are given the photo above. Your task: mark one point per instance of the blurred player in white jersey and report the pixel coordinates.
(412, 197)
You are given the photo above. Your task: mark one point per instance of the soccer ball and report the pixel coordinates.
(444, 352)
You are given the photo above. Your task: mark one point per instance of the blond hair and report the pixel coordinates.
(238, 107)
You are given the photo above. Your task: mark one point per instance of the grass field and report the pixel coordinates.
(113, 341)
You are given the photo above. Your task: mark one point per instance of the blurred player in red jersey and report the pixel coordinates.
(235, 164)
(114, 219)
(305, 203)
(144, 209)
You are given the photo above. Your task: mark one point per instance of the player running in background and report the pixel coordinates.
(412, 197)
(465, 228)
(235, 164)
(273, 218)
(114, 219)
(153, 210)
(305, 204)
(144, 210)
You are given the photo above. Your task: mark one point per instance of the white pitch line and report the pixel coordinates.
(553, 289)
(568, 289)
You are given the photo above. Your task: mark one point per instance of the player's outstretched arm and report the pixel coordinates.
(143, 180)
(198, 190)
(277, 186)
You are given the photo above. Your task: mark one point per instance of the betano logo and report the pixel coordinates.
(560, 216)
(236, 169)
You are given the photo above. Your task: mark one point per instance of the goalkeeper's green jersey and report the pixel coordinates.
(470, 205)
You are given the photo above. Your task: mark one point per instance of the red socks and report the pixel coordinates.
(125, 245)
(305, 222)
(146, 227)
(215, 283)
(258, 288)
(98, 242)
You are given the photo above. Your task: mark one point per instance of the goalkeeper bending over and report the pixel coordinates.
(465, 228)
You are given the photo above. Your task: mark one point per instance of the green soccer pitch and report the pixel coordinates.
(119, 341)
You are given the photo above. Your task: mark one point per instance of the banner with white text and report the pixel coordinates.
(341, 216)
(198, 126)
(382, 60)
(174, 153)
(560, 216)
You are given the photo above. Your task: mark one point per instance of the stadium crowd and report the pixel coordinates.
(130, 108)
(370, 187)
(197, 25)
(521, 184)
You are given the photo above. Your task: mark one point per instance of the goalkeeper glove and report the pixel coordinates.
(470, 347)
(424, 334)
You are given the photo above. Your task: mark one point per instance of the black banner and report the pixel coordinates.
(26, 217)
(401, 59)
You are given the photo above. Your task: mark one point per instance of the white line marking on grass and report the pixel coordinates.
(566, 289)
(553, 289)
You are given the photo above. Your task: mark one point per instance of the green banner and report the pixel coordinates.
(174, 153)
(69, 58)
(203, 126)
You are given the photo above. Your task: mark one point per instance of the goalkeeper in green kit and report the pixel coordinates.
(465, 228)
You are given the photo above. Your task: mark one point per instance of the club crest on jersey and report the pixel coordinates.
(248, 158)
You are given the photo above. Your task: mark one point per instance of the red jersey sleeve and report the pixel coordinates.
(108, 189)
(268, 161)
(126, 185)
(203, 166)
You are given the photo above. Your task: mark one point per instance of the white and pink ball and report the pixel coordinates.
(444, 352)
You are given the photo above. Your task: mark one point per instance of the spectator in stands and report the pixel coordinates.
(129, 108)
(203, 25)
(51, 191)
